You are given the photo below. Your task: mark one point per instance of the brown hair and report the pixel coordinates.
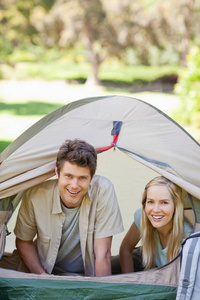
(77, 152)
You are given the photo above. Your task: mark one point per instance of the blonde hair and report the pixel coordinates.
(148, 231)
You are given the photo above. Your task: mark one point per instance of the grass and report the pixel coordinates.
(109, 71)
(4, 144)
(135, 74)
(31, 108)
(51, 70)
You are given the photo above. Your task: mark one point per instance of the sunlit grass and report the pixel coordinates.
(79, 71)
(135, 74)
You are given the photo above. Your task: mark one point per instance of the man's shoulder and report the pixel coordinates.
(100, 181)
(100, 188)
(43, 186)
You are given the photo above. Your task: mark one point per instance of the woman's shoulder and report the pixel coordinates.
(137, 217)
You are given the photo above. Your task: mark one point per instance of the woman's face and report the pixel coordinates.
(159, 208)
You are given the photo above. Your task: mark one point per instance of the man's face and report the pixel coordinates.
(73, 183)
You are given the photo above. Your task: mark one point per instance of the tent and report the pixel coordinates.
(135, 142)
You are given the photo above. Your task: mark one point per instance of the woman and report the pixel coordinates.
(159, 224)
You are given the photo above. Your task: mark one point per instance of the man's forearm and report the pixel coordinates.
(103, 266)
(102, 251)
(29, 256)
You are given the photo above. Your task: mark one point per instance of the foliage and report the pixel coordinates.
(176, 23)
(16, 28)
(148, 32)
(188, 88)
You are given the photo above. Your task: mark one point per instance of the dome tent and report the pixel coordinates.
(135, 142)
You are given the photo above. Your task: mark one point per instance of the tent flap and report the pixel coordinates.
(45, 289)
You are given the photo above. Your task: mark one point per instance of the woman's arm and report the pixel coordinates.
(128, 244)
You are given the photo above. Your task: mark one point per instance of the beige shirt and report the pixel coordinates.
(41, 215)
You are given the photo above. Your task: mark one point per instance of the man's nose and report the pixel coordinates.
(74, 183)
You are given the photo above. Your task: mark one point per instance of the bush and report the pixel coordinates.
(20, 55)
(188, 89)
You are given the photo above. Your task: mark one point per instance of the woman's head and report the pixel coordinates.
(162, 203)
(166, 217)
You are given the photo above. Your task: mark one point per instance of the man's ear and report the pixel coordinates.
(56, 171)
(92, 177)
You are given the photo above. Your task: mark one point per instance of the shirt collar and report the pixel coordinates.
(56, 209)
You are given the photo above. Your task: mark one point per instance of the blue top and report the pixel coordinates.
(160, 252)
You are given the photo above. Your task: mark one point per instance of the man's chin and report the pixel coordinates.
(72, 203)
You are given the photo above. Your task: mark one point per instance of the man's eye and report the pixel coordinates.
(82, 177)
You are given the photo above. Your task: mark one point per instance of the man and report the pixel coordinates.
(74, 217)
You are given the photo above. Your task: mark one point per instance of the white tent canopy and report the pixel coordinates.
(143, 141)
(146, 134)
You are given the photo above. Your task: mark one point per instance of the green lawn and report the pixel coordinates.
(109, 71)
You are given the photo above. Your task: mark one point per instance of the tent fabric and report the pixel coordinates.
(44, 289)
(148, 143)
(167, 275)
(31, 158)
(189, 281)
(157, 283)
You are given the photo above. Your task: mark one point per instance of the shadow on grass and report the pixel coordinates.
(4, 144)
(30, 108)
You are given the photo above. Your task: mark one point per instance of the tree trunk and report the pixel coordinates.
(93, 78)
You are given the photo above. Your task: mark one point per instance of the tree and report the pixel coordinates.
(16, 29)
(105, 28)
(177, 23)
(82, 21)
(188, 89)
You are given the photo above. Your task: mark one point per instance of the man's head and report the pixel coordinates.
(79, 153)
(75, 167)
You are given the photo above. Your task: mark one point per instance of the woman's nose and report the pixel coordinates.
(156, 207)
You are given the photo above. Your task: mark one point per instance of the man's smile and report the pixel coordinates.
(73, 193)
